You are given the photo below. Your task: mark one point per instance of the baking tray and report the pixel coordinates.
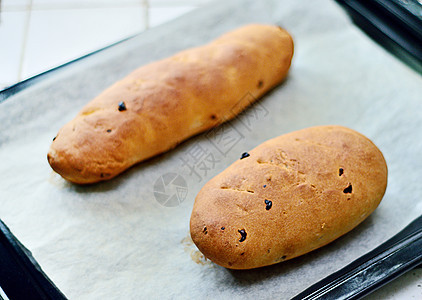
(120, 239)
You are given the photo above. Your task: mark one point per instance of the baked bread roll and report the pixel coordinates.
(288, 196)
(163, 103)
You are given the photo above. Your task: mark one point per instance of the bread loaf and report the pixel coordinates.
(163, 103)
(288, 196)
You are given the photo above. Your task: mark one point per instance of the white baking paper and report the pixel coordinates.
(121, 240)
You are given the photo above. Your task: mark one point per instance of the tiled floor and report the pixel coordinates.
(36, 35)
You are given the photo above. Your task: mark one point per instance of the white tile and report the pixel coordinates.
(58, 36)
(153, 3)
(81, 4)
(7, 5)
(11, 39)
(161, 15)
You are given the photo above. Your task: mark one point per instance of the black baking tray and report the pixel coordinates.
(20, 275)
(371, 271)
(394, 24)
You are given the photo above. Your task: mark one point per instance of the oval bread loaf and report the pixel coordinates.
(291, 195)
(163, 103)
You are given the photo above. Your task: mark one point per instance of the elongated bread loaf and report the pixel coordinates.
(163, 103)
(288, 196)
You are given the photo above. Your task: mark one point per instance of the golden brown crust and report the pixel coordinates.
(170, 100)
(321, 181)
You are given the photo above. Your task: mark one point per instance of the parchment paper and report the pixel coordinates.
(115, 240)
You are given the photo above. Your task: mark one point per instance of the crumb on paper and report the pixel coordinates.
(195, 254)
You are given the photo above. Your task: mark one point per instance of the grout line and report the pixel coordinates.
(24, 41)
(146, 13)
